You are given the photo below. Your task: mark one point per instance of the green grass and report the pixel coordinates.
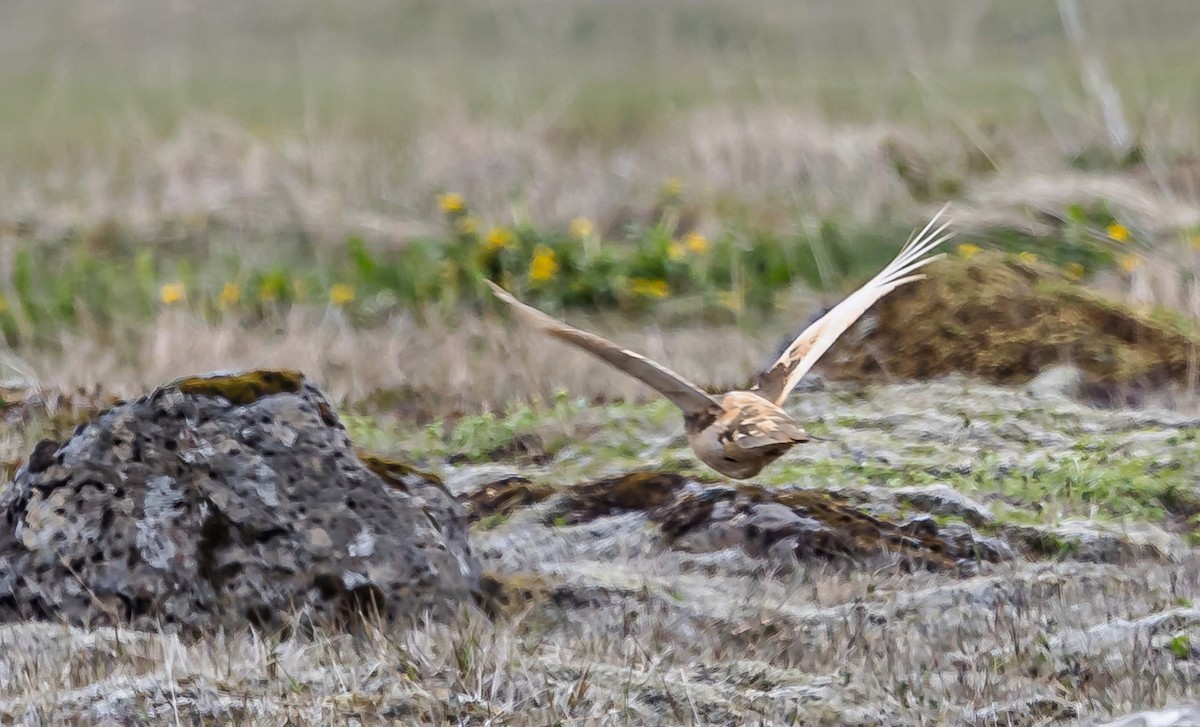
(1095, 477)
(107, 274)
(625, 63)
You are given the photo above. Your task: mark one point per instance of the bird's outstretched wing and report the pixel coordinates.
(778, 380)
(693, 401)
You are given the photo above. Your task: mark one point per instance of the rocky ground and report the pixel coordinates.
(957, 553)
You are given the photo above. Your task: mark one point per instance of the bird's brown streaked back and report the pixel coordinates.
(778, 380)
(697, 406)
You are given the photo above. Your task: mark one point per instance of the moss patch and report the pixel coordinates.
(645, 491)
(500, 498)
(1004, 320)
(393, 471)
(244, 388)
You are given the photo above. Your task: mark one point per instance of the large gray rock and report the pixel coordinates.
(221, 501)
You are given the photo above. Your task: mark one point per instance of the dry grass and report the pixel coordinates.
(820, 647)
(463, 362)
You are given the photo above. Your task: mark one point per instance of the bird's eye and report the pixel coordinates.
(729, 459)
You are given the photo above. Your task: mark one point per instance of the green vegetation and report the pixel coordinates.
(661, 267)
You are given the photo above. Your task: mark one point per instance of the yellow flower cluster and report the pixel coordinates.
(1118, 232)
(1073, 271)
(1027, 257)
(341, 294)
(968, 250)
(230, 295)
(498, 238)
(649, 287)
(696, 243)
(452, 203)
(692, 242)
(172, 293)
(544, 265)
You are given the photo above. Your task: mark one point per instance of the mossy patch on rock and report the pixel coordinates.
(1004, 319)
(244, 388)
(505, 496)
(394, 472)
(646, 491)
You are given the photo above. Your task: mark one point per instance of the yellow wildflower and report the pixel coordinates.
(1073, 271)
(3, 304)
(451, 203)
(467, 225)
(1027, 257)
(172, 293)
(968, 250)
(1129, 263)
(340, 294)
(544, 265)
(498, 238)
(675, 251)
(230, 295)
(581, 227)
(672, 187)
(1118, 232)
(650, 288)
(696, 242)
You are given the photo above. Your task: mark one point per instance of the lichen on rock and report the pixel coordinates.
(221, 501)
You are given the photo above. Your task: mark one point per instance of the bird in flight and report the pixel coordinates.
(741, 432)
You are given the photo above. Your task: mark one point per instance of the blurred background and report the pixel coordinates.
(189, 185)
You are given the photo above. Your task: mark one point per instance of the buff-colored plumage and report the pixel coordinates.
(741, 432)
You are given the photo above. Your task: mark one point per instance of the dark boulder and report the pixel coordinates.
(225, 500)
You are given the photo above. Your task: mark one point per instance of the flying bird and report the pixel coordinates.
(741, 432)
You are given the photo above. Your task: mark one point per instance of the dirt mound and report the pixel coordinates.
(1004, 319)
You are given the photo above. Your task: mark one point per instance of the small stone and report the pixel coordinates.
(945, 500)
(319, 540)
(1057, 381)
